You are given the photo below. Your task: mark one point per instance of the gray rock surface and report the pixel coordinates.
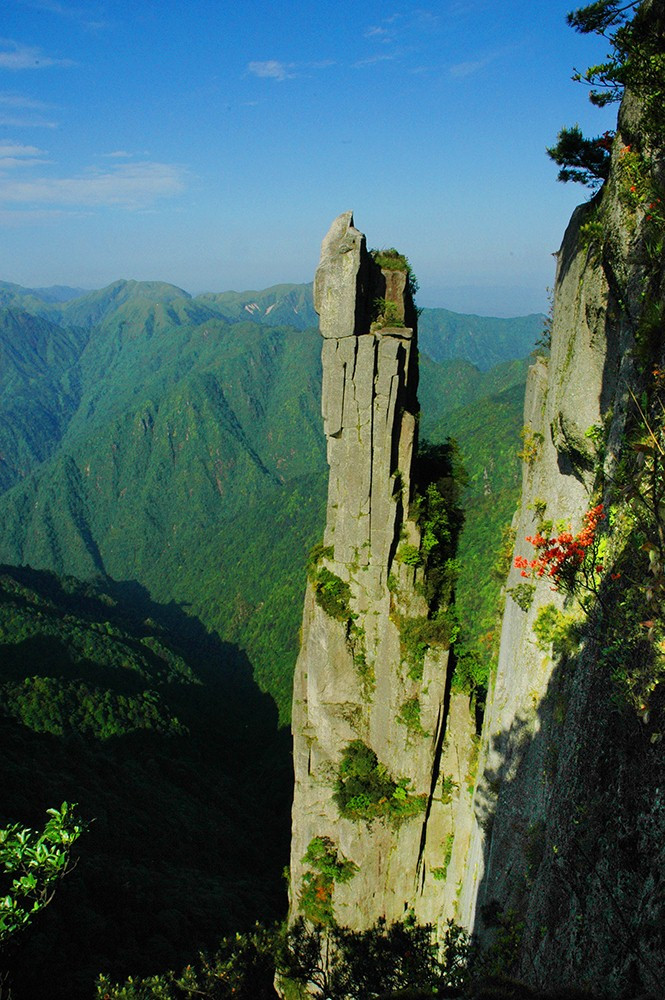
(568, 831)
(369, 410)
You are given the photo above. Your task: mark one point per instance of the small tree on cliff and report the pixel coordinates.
(636, 33)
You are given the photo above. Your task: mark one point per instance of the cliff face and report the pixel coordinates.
(562, 841)
(569, 816)
(368, 712)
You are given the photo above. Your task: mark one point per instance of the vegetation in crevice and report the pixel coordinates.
(418, 634)
(357, 643)
(409, 716)
(441, 871)
(436, 508)
(386, 314)
(390, 259)
(365, 790)
(327, 866)
(532, 442)
(332, 594)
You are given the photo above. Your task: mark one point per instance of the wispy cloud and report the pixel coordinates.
(461, 8)
(399, 35)
(379, 33)
(272, 69)
(16, 56)
(11, 121)
(125, 185)
(16, 156)
(23, 217)
(20, 101)
(472, 66)
(17, 111)
(371, 60)
(468, 68)
(10, 148)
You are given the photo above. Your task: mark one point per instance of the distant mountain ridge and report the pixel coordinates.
(443, 335)
(483, 340)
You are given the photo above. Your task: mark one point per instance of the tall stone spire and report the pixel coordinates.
(359, 694)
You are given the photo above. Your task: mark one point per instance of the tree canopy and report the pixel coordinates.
(636, 60)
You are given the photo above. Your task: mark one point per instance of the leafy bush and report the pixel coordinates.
(441, 872)
(409, 555)
(333, 595)
(364, 789)
(523, 594)
(242, 968)
(558, 629)
(419, 633)
(329, 866)
(387, 313)
(374, 963)
(32, 865)
(370, 964)
(317, 553)
(531, 444)
(439, 478)
(364, 667)
(392, 260)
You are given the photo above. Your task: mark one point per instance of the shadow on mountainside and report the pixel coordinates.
(191, 821)
(572, 809)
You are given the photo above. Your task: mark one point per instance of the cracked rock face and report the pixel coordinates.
(351, 679)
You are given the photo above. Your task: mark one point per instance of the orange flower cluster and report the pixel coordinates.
(560, 557)
(655, 210)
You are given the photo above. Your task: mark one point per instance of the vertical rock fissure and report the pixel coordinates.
(440, 732)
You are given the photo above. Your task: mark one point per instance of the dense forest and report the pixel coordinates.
(185, 488)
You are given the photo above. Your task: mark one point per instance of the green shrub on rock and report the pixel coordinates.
(365, 790)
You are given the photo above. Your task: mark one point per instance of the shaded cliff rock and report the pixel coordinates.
(568, 839)
(364, 696)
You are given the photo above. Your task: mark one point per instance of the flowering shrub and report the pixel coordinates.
(640, 192)
(568, 560)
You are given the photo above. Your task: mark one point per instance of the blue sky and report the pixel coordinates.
(210, 144)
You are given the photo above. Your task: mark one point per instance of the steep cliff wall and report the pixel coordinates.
(370, 692)
(569, 811)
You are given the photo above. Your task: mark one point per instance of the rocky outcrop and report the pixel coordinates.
(569, 816)
(356, 683)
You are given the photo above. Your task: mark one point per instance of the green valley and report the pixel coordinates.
(186, 484)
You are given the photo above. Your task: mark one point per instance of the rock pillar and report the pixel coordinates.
(355, 684)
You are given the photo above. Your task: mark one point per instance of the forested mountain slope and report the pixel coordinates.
(159, 734)
(195, 463)
(483, 340)
(173, 463)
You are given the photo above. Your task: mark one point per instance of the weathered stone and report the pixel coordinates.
(340, 284)
(350, 681)
(568, 831)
